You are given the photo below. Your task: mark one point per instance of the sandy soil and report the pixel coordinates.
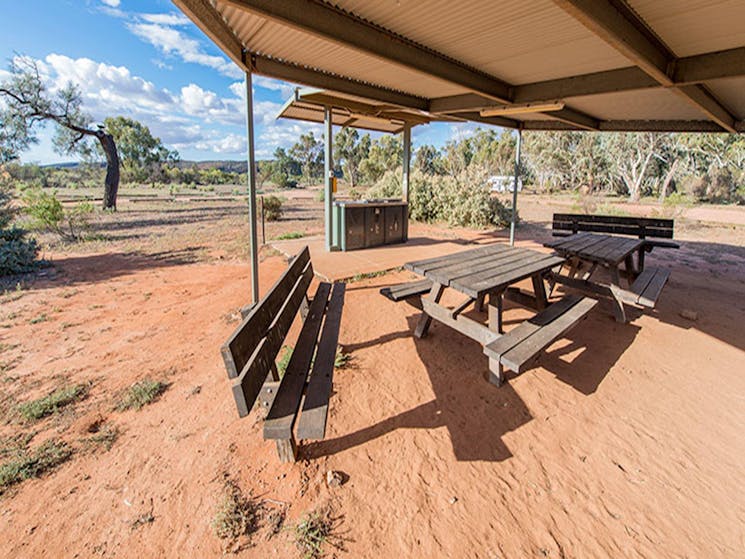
(625, 441)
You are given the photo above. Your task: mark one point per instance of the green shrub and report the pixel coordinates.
(290, 235)
(272, 207)
(141, 394)
(47, 213)
(464, 200)
(53, 402)
(26, 464)
(17, 253)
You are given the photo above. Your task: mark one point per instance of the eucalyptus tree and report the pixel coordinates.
(28, 103)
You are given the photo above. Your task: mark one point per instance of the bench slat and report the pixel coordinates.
(242, 343)
(247, 386)
(312, 422)
(648, 297)
(523, 353)
(520, 333)
(281, 417)
(405, 290)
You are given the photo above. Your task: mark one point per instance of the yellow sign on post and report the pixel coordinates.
(333, 185)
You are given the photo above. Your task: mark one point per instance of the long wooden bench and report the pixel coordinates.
(519, 347)
(250, 354)
(646, 288)
(649, 229)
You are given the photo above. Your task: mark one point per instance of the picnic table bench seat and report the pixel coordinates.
(403, 291)
(251, 350)
(646, 288)
(517, 348)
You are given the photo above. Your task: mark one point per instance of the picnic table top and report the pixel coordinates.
(485, 269)
(605, 249)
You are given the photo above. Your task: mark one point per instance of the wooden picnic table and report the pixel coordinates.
(484, 273)
(585, 252)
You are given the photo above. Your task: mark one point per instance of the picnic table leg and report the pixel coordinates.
(480, 303)
(630, 269)
(495, 312)
(425, 320)
(640, 259)
(618, 310)
(495, 374)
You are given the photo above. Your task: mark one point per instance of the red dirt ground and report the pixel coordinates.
(625, 441)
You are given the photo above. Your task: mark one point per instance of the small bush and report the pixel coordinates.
(283, 361)
(17, 253)
(291, 235)
(311, 533)
(355, 194)
(464, 200)
(140, 394)
(26, 464)
(272, 208)
(53, 402)
(236, 515)
(47, 213)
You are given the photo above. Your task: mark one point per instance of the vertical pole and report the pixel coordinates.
(406, 161)
(251, 160)
(513, 221)
(328, 169)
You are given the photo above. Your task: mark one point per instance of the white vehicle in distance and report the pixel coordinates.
(503, 183)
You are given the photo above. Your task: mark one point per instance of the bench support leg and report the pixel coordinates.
(539, 288)
(480, 303)
(495, 312)
(287, 450)
(618, 310)
(304, 307)
(495, 374)
(425, 320)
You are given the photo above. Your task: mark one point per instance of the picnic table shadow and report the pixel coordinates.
(476, 414)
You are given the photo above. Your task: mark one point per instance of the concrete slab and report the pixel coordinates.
(336, 266)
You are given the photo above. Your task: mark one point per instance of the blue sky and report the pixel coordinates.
(146, 60)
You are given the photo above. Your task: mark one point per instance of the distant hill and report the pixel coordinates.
(226, 165)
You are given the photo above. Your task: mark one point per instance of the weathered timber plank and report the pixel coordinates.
(517, 357)
(463, 324)
(524, 330)
(281, 418)
(312, 422)
(241, 344)
(423, 266)
(518, 260)
(511, 276)
(405, 290)
(652, 292)
(248, 384)
(484, 265)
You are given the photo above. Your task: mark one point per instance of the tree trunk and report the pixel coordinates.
(666, 182)
(111, 184)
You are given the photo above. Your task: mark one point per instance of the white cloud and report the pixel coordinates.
(111, 3)
(192, 119)
(166, 19)
(173, 42)
(286, 89)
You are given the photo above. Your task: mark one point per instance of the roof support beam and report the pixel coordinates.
(616, 24)
(342, 28)
(637, 126)
(685, 71)
(711, 66)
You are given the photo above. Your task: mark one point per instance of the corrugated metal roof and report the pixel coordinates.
(506, 43)
(695, 26)
(648, 104)
(732, 93)
(309, 105)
